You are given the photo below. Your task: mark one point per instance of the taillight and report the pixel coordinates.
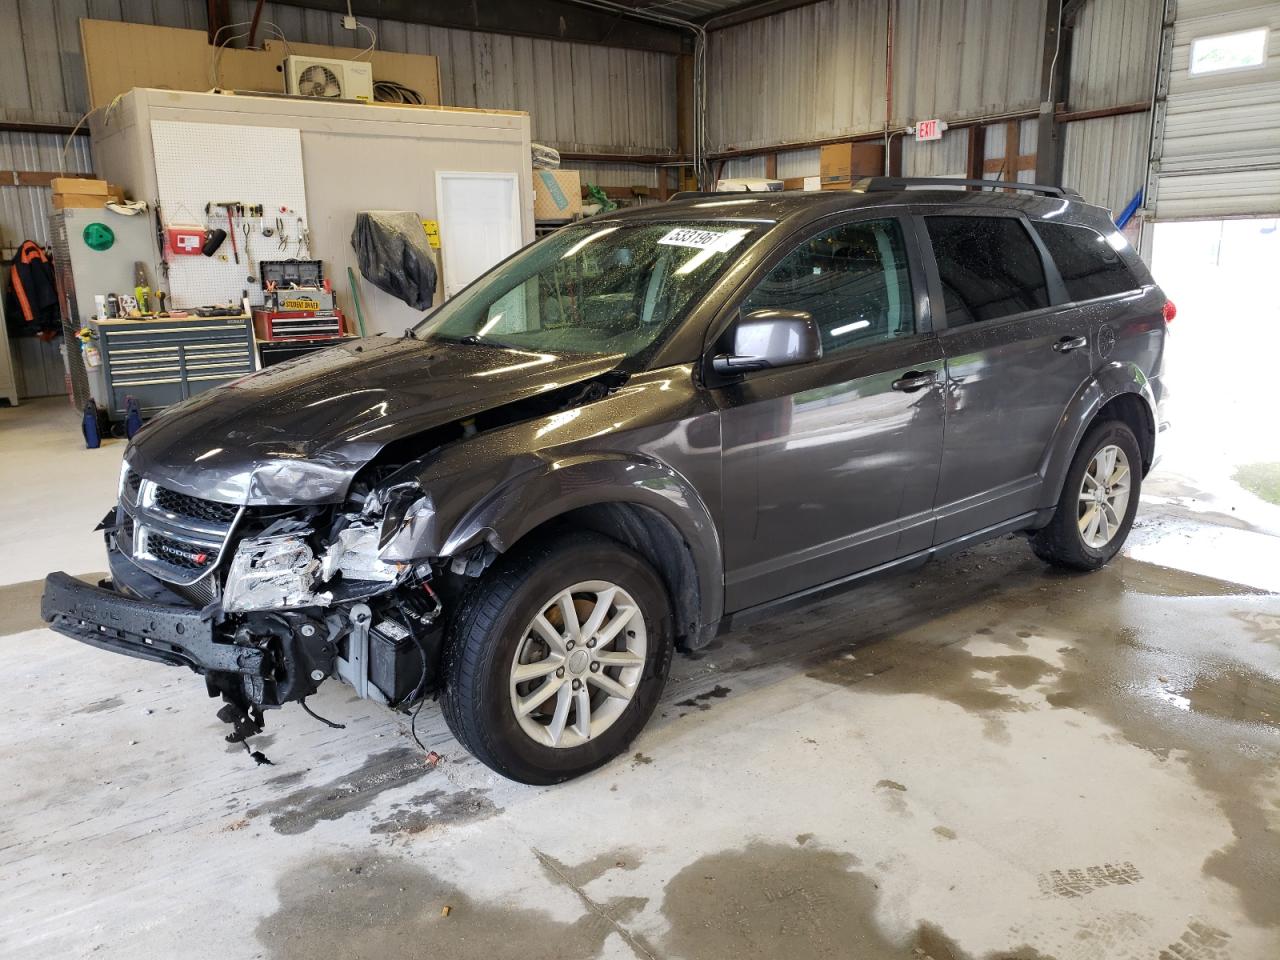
(1169, 311)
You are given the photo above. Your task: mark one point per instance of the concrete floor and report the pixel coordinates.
(982, 759)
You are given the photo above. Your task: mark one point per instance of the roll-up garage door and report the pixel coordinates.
(1217, 133)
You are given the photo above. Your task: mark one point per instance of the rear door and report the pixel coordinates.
(1013, 363)
(830, 467)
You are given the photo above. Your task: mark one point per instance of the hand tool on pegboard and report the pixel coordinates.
(229, 207)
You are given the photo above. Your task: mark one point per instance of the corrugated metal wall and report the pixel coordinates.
(1113, 57)
(952, 60)
(1105, 159)
(818, 71)
(1219, 153)
(581, 98)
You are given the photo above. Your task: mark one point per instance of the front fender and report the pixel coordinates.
(527, 499)
(1109, 382)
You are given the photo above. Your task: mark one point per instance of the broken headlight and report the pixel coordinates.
(272, 573)
(354, 554)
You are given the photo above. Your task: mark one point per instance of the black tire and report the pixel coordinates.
(482, 643)
(1060, 543)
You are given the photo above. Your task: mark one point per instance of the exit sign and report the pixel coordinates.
(929, 129)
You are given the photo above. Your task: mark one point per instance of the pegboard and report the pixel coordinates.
(199, 163)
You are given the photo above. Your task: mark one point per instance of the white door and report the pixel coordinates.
(479, 224)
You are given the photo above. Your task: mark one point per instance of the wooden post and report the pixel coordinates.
(976, 152)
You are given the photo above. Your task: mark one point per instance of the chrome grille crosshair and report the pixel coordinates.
(174, 536)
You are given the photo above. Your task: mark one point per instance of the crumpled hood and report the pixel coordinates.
(298, 432)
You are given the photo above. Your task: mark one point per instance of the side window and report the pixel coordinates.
(989, 268)
(1089, 266)
(852, 279)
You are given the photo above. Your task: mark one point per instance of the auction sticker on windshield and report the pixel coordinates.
(699, 239)
(702, 239)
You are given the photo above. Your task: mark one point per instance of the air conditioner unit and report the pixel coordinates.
(328, 79)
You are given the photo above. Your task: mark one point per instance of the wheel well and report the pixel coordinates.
(654, 537)
(1131, 410)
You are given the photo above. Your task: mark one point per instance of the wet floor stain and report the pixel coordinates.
(1155, 654)
(301, 810)
(437, 809)
(945, 832)
(766, 900)
(890, 785)
(640, 760)
(107, 703)
(376, 905)
(578, 875)
(1200, 941)
(702, 700)
(1078, 882)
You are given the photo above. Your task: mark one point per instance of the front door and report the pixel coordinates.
(1013, 365)
(830, 467)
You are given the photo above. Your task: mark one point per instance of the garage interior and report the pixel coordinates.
(982, 759)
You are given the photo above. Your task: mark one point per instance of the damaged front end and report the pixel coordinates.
(265, 602)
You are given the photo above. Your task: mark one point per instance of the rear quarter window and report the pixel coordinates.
(989, 268)
(1090, 267)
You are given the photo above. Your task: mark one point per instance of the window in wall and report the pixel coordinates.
(1229, 51)
(1089, 266)
(851, 279)
(989, 268)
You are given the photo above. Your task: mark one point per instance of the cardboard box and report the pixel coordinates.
(88, 201)
(557, 194)
(79, 185)
(850, 161)
(119, 56)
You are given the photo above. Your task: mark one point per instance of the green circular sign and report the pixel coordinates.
(98, 236)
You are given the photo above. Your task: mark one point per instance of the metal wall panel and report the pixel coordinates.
(1219, 151)
(581, 97)
(818, 71)
(936, 158)
(24, 211)
(615, 174)
(1113, 58)
(1105, 159)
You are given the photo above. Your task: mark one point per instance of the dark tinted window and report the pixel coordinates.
(852, 279)
(989, 267)
(1089, 267)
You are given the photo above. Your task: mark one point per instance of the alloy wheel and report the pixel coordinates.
(1104, 496)
(578, 664)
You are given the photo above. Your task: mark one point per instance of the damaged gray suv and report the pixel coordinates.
(629, 437)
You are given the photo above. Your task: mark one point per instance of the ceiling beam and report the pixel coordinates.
(750, 10)
(545, 19)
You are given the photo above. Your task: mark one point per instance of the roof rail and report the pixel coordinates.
(690, 194)
(878, 184)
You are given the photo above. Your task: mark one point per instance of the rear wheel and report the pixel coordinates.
(557, 659)
(1098, 502)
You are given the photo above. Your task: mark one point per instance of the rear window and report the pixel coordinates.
(1089, 266)
(989, 268)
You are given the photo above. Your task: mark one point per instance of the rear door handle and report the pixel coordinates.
(1067, 344)
(914, 380)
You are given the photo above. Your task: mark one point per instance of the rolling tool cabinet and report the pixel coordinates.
(161, 361)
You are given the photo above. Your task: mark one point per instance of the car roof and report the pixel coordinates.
(804, 205)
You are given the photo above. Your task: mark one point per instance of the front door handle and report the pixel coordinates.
(914, 380)
(1067, 344)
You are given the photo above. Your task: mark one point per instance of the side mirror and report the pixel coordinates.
(764, 339)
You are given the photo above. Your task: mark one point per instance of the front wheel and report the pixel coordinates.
(558, 657)
(1098, 502)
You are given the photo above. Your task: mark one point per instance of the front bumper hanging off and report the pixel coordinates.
(174, 635)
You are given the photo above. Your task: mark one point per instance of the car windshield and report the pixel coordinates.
(596, 288)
